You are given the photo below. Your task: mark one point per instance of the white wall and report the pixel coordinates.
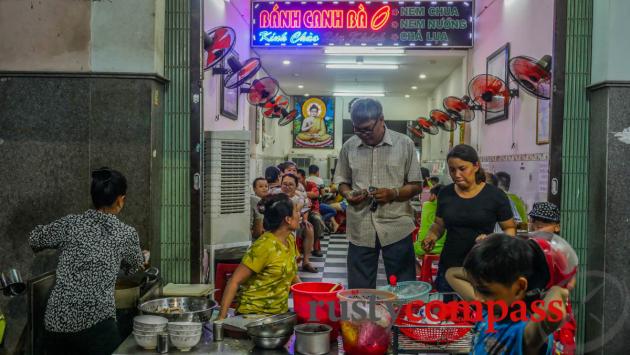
(436, 147)
(221, 13)
(394, 108)
(528, 26)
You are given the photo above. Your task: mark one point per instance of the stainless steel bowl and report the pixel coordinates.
(273, 326)
(180, 309)
(271, 342)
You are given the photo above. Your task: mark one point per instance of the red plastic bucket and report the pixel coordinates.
(307, 293)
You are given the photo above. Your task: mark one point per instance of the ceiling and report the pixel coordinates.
(308, 68)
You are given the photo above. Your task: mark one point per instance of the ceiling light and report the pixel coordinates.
(423, 76)
(364, 51)
(414, 88)
(407, 96)
(286, 62)
(363, 66)
(359, 94)
(300, 86)
(307, 95)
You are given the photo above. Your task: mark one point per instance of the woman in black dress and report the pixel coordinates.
(468, 210)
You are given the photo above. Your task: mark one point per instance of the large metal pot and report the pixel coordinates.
(312, 338)
(127, 290)
(180, 309)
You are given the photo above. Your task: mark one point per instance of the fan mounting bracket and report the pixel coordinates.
(220, 71)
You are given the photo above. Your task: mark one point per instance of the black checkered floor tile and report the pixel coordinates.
(332, 266)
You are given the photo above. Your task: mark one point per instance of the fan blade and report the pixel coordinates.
(533, 76)
(490, 92)
(218, 42)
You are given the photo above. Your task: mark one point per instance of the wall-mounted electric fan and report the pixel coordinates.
(237, 73)
(287, 117)
(277, 107)
(261, 91)
(273, 108)
(443, 120)
(462, 110)
(534, 76)
(415, 130)
(427, 126)
(490, 92)
(217, 43)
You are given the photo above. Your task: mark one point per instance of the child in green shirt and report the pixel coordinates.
(427, 219)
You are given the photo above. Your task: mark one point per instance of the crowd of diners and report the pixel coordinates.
(471, 223)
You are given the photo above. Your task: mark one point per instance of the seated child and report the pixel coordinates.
(497, 269)
(426, 220)
(269, 266)
(545, 217)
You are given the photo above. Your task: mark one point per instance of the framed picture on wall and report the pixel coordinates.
(497, 65)
(228, 97)
(542, 121)
(314, 127)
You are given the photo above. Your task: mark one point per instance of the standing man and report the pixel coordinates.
(385, 162)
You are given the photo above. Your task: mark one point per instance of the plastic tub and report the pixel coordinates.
(408, 291)
(361, 335)
(307, 293)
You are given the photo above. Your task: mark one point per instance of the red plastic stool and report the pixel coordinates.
(221, 277)
(428, 270)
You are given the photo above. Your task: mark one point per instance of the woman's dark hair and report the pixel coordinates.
(275, 209)
(297, 181)
(504, 180)
(256, 181)
(313, 169)
(499, 258)
(492, 179)
(425, 175)
(436, 189)
(287, 164)
(302, 172)
(365, 110)
(469, 154)
(107, 185)
(272, 174)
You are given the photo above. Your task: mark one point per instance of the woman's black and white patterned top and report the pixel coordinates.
(93, 247)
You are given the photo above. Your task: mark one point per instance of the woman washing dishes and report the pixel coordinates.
(269, 268)
(468, 210)
(81, 314)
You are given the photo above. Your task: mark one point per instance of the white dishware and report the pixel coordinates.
(184, 326)
(184, 332)
(156, 320)
(148, 342)
(185, 342)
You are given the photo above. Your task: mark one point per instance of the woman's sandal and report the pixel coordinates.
(309, 268)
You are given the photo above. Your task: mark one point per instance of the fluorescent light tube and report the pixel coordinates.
(364, 51)
(363, 66)
(359, 94)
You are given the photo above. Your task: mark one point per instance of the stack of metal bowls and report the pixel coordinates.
(272, 332)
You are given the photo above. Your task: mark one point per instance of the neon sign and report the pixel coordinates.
(436, 23)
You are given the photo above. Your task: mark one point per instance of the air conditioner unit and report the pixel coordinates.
(302, 161)
(226, 192)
